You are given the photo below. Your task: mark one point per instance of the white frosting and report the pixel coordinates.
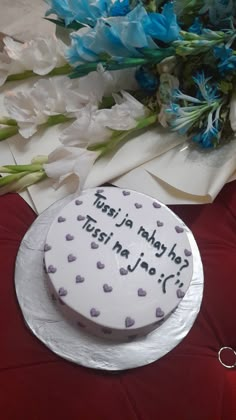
(119, 261)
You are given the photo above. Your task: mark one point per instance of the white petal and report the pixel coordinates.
(7, 67)
(67, 164)
(88, 129)
(41, 55)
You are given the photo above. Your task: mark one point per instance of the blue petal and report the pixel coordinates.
(163, 26)
(62, 9)
(120, 36)
(119, 8)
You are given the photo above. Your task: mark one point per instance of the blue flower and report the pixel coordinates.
(87, 11)
(210, 136)
(146, 79)
(163, 26)
(207, 92)
(226, 59)
(114, 36)
(196, 27)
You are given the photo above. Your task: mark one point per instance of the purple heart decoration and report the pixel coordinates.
(123, 271)
(47, 248)
(125, 193)
(78, 202)
(71, 258)
(129, 322)
(80, 217)
(69, 237)
(94, 245)
(156, 205)
(100, 265)
(138, 205)
(100, 191)
(79, 279)
(159, 313)
(160, 224)
(106, 330)
(180, 293)
(94, 312)
(107, 288)
(142, 292)
(61, 219)
(62, 292)
(52, 269)
(179, 229)
(187, 253)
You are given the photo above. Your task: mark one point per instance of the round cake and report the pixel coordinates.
(118, 262)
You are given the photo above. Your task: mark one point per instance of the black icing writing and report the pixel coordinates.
(151, 239)
(126, 222)
(163, 280)
(177, 259)
(120, 250)
(90, 226)
(100, 203)
(143, 264)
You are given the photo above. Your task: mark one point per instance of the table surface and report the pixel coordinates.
(189, 383)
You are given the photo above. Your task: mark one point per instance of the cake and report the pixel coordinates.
(118, 262)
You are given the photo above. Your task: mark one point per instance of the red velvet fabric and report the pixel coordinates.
(189, 383)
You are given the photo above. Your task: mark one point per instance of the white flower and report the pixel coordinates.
(117, 80)
(8, 67)
(93, 125)
(61, 95)
(70, 164)
(232, 114)
(31, 108)
(96, 85)
(41, 55)
(88, 128)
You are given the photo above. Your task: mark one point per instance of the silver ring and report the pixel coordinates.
(219, 357)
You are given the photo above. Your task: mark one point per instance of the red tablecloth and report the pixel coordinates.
(189, 383)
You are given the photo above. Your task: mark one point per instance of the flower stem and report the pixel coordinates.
(56, 119)
(11, 178)
(8, 131)
(119, 136)
(7, 121)
(20, 168)
(58, 71)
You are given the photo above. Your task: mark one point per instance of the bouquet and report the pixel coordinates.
(125, 66)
